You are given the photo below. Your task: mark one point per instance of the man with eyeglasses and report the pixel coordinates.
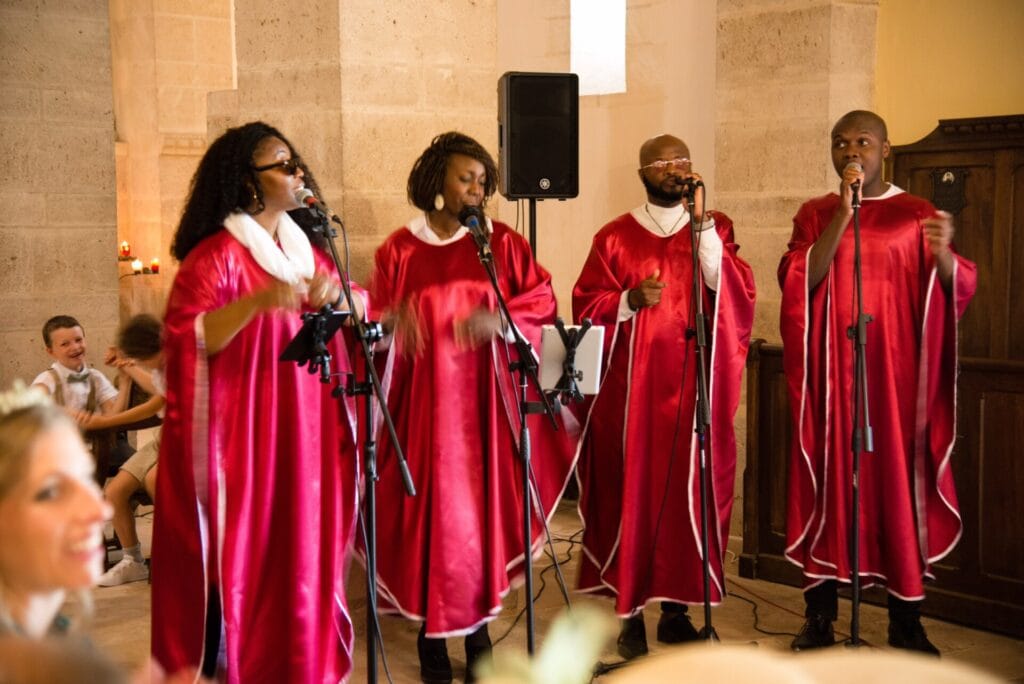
(640, 495)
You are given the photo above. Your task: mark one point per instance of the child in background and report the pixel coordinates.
(139, 357)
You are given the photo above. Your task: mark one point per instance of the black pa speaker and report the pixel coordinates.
(538, 135)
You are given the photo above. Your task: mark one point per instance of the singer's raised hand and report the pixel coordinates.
(647, 293)
(403, 323)
(938, 232)
(322, 289)
(221, 325)
(853, 173)
(276, 295)
(938, 235)
(476, 329)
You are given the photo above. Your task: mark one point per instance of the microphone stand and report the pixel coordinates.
(703, 411)
(366, 333)
(862, 437)
(526, 367)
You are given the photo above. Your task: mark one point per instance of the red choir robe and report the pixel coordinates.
(449, 554)
(639, 469)
(257, 487)
(909, 513)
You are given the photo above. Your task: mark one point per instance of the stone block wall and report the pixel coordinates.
(167, 55)
(361, 88)
(57, 182)
(786, 71)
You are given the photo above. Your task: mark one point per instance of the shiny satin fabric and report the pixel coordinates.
(449, 554)
(257, 487)
(638, 469)
(909, 512)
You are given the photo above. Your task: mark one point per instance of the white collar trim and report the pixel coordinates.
(292, 262)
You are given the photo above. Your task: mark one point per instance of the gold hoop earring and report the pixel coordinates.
(438, 201)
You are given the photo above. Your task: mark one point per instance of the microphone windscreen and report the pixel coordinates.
(469, 212)
(303, 195)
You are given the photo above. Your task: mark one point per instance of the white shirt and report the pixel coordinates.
(76, 394)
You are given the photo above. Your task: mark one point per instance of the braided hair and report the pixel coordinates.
(225, 183)
(427, 176)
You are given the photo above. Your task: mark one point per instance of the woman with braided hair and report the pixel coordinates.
(456, 548)
(257, 486)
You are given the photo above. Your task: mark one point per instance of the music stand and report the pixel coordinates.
(310, 344)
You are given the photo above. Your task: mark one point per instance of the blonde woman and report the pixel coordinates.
(51, 515)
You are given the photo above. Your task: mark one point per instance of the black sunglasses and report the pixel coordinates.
(289, 166)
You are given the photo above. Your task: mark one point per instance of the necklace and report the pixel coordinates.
(660, 227)
(438, 232)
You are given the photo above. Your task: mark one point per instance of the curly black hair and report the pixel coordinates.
(427, 176)
(225, 182)
(140, 337)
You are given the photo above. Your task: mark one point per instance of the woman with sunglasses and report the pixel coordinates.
(258, 472)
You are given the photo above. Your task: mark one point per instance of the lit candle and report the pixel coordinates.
(154, 265)
(137, 266)
(126, 249)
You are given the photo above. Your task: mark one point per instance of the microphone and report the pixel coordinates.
(855, 186)
(854, 166)
(473, 218)
(306, 198)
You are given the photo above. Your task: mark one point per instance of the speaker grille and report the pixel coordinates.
(538, 133)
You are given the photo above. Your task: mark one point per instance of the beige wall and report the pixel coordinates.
(946, 59)
(57, 180)
(167, 55)
(361, 88)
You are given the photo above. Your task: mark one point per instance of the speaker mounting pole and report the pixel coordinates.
(533, 226)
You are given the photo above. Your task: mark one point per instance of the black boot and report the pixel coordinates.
(674, 626)
(905, 628)
(478, 645)
(633, 637)
(816, 633)
(822, 608)
(435, 667)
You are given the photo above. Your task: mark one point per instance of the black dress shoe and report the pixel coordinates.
(909, 634)
(478, 645)
(676, 628)
(435, 667)
(633, 638)
(816, 633)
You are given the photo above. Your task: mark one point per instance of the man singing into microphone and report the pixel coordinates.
(915, 288)
(640, 489)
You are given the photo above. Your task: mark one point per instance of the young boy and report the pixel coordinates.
(915, 288)
(140, 357)
(70, 381)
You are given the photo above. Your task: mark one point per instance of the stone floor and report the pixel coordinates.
(121, 622)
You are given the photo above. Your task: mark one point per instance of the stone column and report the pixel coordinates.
(361, 88)
(58, 218)
(786, 72)
(166, 57)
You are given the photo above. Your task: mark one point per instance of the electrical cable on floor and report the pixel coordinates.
(543, 582)
(773, 604)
